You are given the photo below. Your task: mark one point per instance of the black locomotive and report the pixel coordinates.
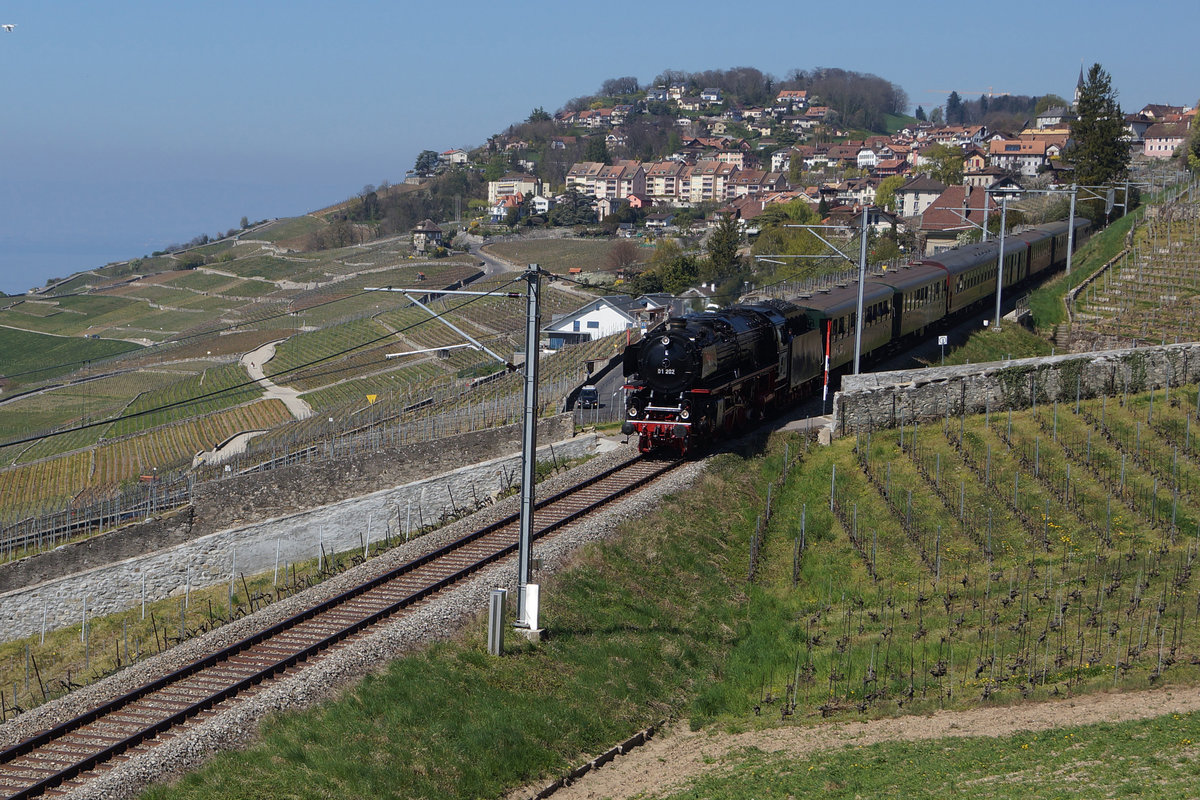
(695, 378)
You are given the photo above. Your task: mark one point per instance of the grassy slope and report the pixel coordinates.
(1011, 341)
(663, 622)
(1153, 759)
(630, 642)
(1046, 303)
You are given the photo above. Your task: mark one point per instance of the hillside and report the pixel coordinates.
(136, 368)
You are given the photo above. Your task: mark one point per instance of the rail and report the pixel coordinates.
(561, 509)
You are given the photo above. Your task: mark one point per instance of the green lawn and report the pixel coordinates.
(1157, 758)
(1046, 302)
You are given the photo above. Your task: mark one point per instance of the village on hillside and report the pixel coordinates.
(941, 179)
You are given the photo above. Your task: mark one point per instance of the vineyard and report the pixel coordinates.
(402, 381)
(74, 314)
(213, 389)
(998, 556)
(556, 255)
(313, 348)
(1153, 292)
(28, 488)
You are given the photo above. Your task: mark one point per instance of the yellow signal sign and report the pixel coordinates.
(371, 398)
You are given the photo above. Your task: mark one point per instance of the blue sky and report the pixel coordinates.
(127, 126)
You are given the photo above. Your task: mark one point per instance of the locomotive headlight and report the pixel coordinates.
(685, 413)
(632, 411)
(666, 340)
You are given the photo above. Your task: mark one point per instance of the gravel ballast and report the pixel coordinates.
(237, 723)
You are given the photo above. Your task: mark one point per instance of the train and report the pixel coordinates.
(696, 378)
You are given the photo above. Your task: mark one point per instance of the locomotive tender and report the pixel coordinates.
(693, 379)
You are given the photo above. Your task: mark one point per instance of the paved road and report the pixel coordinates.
(491, 264)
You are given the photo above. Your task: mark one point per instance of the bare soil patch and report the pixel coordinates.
(677, 755)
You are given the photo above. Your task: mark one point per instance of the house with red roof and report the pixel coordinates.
(1021, 156)
(957, 210)
(1162, 138)
(792, 97)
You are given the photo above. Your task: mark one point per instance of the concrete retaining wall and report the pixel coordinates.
(245, 499)
(885, 399)
(210, 559)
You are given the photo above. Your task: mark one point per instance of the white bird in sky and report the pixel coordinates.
(8, 27)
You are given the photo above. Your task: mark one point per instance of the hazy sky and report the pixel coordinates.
(130, 125)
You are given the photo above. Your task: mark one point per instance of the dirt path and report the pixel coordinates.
(253, 364)
(677, 755)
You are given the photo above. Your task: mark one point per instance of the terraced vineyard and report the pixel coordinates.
(1152, 294)
(171, 446)
(186, 392)
(213, 389)
(400, 382)
(28, 487)
(33, 359)
(33, 487)
(312, 348)
(71, 404)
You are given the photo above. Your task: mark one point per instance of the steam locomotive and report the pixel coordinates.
(696, 378)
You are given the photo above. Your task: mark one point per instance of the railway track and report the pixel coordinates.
(64, 757)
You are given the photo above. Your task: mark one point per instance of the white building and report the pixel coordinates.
(601, 317)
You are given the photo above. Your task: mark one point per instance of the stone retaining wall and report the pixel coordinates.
(245, 499)
(210, 559)
(886, 399)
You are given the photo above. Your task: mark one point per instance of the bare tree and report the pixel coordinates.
(623, 254)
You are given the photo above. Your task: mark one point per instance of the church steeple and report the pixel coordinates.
(1078, 88)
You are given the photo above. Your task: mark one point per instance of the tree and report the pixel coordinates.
(539, 114)
(885, 192)
(596, 150)
(920, 114)
(666, 251)
(427, 161)
(245, 223)
(573, 208)
(646, 282)
(943, 162)
(1049, 101)
(615, 87)
(795, 169)
(954, 109)
(680, 274)
(722, 247)
(1100, 154)
(497, 166)
(935, 116)
(1193, 149)
(622, 254)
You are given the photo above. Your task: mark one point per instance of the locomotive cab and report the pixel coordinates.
(693, 376)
